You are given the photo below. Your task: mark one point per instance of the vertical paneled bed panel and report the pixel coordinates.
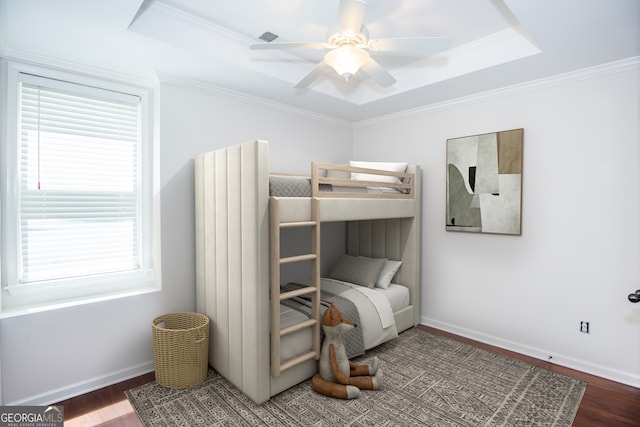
(231, 241)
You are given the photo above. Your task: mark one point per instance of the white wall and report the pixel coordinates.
(49, 356)
(578, 255)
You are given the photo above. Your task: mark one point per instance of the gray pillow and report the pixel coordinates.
(361, 271)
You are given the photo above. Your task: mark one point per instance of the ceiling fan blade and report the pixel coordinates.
(377, 73)
(289, 45)
(351, 13)
(422, 45)
(312, 75)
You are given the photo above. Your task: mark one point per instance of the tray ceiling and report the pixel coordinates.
(493, 43)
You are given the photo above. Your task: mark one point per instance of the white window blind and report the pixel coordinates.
(79, 181)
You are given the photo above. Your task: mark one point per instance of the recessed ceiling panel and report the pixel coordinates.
(482, 34)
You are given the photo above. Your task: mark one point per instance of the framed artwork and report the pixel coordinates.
(484, 183)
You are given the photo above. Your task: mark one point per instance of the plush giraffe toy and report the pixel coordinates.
(338, 377)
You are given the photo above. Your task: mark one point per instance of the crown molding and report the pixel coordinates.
(598, 71)
(200, 86)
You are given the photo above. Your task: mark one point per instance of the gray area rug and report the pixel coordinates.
(428, 380)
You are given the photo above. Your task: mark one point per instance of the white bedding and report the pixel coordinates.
(373, 332)
(399, 296)
(379, 301)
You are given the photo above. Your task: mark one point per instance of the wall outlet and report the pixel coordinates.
(584, 327)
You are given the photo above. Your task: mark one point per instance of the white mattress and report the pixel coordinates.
(398, 296)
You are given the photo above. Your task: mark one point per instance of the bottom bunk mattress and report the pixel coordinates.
(374, 315)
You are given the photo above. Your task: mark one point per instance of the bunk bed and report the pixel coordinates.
(238, 227)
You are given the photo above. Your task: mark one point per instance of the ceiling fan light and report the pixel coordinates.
(346, 60)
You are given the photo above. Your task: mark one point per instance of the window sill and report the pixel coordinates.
(60, 305)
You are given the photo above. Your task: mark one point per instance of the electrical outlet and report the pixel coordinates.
(584, 327)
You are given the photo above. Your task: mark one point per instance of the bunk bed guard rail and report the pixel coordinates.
(382, 184)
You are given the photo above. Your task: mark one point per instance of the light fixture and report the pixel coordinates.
(346, 59)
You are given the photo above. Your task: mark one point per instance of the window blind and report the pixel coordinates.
(79, 182)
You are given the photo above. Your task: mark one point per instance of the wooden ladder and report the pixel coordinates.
(276, 296)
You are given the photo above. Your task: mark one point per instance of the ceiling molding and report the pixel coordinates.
(594, 72)
(192, 84)
(191, 21)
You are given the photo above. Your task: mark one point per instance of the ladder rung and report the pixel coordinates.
(298, 326)
(298, 224)
(297, 360)
(298, 258)
(302, 291)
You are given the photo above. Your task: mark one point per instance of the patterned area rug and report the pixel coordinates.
(428, 380)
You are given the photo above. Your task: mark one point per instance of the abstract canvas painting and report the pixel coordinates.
(484, 183)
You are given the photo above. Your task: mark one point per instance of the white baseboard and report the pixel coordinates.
(558, 359)
(72, 390)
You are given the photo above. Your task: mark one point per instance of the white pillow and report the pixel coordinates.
(385, 166)
(389, 270)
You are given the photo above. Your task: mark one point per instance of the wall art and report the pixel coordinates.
(484, 183)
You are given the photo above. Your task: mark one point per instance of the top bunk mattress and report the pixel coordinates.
(300, 186)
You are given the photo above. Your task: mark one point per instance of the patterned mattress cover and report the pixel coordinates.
(292, 186)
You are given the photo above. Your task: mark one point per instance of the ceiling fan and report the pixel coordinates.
(349, 48)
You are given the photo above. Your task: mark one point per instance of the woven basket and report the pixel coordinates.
(181, 349)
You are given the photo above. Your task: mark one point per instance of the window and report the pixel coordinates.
(77, 202)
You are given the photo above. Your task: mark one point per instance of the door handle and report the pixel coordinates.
(635, 297)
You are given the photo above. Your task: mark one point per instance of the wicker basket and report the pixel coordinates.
(181, 349)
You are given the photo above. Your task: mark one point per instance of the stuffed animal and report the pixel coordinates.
(338, 377)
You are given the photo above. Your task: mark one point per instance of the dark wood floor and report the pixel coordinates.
(605, 403)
